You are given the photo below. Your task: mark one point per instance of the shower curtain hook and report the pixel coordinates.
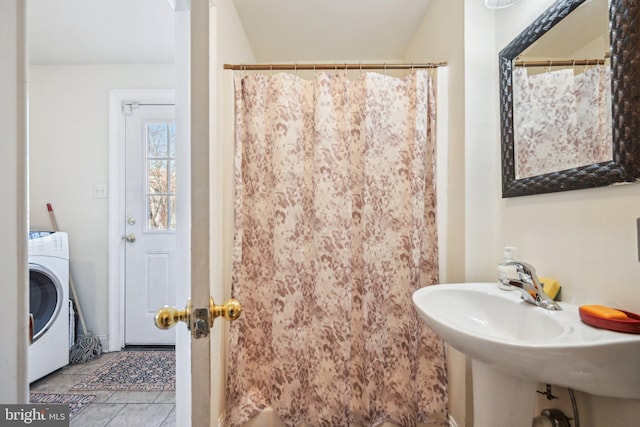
(295, 68)
(361, 68)
(385, 68)
(549, 66)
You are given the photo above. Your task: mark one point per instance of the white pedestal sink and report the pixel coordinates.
(499, 399)
(514, 345)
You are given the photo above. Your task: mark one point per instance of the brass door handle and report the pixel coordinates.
(168, 316)
(130, 238)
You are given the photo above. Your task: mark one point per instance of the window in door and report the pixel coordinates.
(161, 176)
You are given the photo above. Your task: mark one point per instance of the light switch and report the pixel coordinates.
(100, 191)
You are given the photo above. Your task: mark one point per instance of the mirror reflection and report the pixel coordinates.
(562, 95)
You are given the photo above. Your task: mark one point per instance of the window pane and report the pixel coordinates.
(157, 176)
(157, 139)
(157, 213)
(172, 177)
(172, 212)
(172, 140)
(161, 176)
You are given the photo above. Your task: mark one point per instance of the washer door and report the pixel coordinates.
(45, 298)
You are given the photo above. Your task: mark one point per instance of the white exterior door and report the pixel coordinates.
(150, 221)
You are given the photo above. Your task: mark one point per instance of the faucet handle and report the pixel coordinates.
(523, 267)
(529, 285)
(525, 271)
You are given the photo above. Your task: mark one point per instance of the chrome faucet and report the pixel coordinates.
(529, 286)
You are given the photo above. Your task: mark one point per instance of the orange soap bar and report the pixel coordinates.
(603, 312)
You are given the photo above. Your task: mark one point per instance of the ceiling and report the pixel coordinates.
(563, 40)
(142, 31)
(100, 31)
(341, 30)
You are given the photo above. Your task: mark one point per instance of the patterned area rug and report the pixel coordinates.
(75, 401)
(134, 371)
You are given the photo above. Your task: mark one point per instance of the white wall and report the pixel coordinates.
(230, 46)
(13, 221)
(69, 154)
(586, 239)
(482, 148)
(441, 37)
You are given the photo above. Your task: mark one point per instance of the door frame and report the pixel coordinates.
(13, 165)
(117, 202)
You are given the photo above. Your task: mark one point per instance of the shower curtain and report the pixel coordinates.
(562, 120)
(334, 230)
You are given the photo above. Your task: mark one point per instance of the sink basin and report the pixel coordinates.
(487, 312)
(518, 344)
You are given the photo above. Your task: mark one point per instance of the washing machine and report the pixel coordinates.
(48, 302)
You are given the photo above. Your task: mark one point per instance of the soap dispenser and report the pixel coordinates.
(505, 272)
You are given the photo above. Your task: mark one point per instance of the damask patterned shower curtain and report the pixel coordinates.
(334, 231)
(561, 120)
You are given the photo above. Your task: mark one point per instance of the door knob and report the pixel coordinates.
(168, 316)
(230, 310)
(130, 238)
(202, 321)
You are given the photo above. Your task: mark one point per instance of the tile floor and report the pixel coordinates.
(111, 408)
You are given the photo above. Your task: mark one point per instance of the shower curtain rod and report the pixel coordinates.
(562, 63)
(335, 66)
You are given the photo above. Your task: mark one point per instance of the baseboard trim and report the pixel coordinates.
(104, 340)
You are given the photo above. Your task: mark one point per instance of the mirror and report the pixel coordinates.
(569, 96)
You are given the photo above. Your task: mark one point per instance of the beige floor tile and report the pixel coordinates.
(133, 397)
(141, 414)
(113, 408)
(170, 421)
(97, 415)
(101, 395)
(166, 397)
(85, 368)
(56, 383)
